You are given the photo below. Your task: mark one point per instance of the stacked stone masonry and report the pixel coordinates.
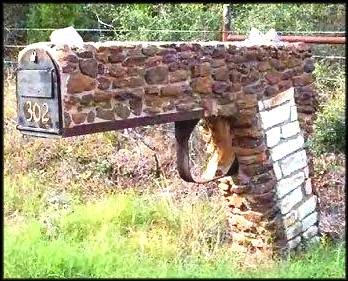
(265, 92)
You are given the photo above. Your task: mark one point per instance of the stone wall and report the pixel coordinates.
(265, 94)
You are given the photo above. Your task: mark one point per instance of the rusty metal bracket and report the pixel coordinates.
(183, 131)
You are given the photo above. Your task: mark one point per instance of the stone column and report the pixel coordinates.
(270, 205)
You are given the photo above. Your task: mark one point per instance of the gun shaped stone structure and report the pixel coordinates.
(257, 103)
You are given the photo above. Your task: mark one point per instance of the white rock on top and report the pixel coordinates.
(68, 36)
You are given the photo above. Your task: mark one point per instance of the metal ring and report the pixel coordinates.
(183, 131)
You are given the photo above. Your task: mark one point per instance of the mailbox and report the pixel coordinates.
(38, 95)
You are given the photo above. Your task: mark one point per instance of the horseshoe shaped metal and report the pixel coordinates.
(183, 130)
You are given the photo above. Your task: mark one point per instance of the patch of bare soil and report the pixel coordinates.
(329, 185)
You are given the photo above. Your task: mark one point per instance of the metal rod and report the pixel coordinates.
(305, 39)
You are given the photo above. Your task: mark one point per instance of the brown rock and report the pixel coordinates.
(254, 89)
(302, 80)
(169, 58)
(102, 57)
(104, 83)
(264, 66)
(72, 58)
(308, 66)
(152, 90)
(121, 95)
(86, 99)
(101, 96)
(135, 61)
(273, 77)
(271, 91)
(217, 63)
(117, 71)
(185, 106)
(201, 70)
(253, 76)
(133, 82)
(157, 75)
(266, 187)
(294, 62)
(236, 77)
(105, 114)
(101, 69)
(154, 101)
(90, 116)
(89, 67)
(236, 87)
(219, 52)
(150, 50)
(187, 55)
(137, 93)
(220, 87)
(235, 200)
(278, 65)
(250, 151)
(78, 83)
(152, 110)
(171, 90)
(202, 85)
(284, 85)
(153, 61)
(178, 75)
(240, 222)
(68, 67)
(248, 142)
(79, 117)
(116, 57)
(221, 74)
(252, 216)
(248, 132)
(287, 74)
(122, 110)
(254, 159)
(263, 178)
(136, 71)
(244, 68)
(227, 109)
(85, 54)
(119, 83)
(136, 106)
(137, 51)
(67, 119)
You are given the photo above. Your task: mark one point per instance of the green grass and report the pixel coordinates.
(127, 235)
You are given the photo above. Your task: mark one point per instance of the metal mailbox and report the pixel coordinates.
(38, 95)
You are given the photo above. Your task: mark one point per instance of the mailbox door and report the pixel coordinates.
(38, 95)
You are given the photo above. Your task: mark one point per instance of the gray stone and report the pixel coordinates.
(288, 184)
(293, 162)
(293, 113)
(294, 242)
(277, 170)
(310, 232)
(290, 218)
(287, 147)
(309, 221)
(275, 116)
(290, 129)
(273, 136)
(290, 200)
(279, 99)
(293, 230)
(307, 207)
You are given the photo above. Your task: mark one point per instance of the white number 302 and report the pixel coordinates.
(37, 112)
